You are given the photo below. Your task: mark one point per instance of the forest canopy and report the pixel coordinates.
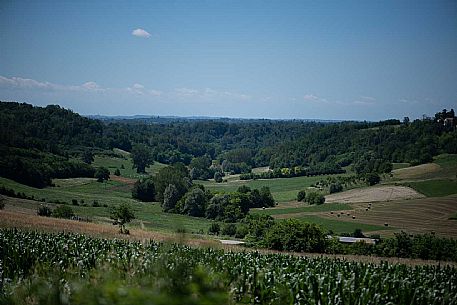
(39, 140)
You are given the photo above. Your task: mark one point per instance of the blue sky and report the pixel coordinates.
(358, 60)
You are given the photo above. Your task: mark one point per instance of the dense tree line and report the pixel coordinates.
(229, 145)
(35, 168)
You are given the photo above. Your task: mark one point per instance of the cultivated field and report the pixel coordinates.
(414, 216)
(374, 194)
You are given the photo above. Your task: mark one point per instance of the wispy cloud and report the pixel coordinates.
(314, 98)
(310, 97)
(209, 93)
(27, 83)
(18, 83)
(362, 100)
(141, 33)
(408, 101)
(137, 90)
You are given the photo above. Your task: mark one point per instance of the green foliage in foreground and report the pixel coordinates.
(300, 236)
(67, 268)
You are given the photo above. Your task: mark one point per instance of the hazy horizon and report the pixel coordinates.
(332, 60)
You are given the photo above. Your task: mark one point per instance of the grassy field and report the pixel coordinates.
(326, 207)
(435, 188)
(113, 163)
(283, 189)
(110, 193)
(443, 167)
(150, 216)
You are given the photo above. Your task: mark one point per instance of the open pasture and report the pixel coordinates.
(113, 163)
(282, 189)
(111, 193)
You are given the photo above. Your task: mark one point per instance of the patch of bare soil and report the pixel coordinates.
(129, 181)
(374, 194)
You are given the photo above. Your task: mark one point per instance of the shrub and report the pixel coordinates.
(95, 204)
(315, 198)
(2, 203)
(301, 195)
(102, 173)
(335, 188)
(218, 177)
(63, 211)
(229, 229)
(241, 231)
(372, 178)
(117, 172)
(44, 211)
(144, 190)
(74, 202)
(214, 228)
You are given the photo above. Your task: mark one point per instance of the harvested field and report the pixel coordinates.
(413, 216)
(422, 171)
(374, 194)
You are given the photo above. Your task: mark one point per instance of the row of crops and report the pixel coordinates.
(44, 268)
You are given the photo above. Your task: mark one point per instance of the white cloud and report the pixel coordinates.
(186, 92)
(91, 86)
(27, 83)
(141, 33)
(314, 98)
(136, 88)
(310, 97)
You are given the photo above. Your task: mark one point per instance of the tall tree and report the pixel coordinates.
(170, 198)
(141, 157)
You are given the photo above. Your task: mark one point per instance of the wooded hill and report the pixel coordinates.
(38, 144)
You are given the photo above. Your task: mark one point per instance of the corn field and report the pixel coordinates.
(44, 268)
